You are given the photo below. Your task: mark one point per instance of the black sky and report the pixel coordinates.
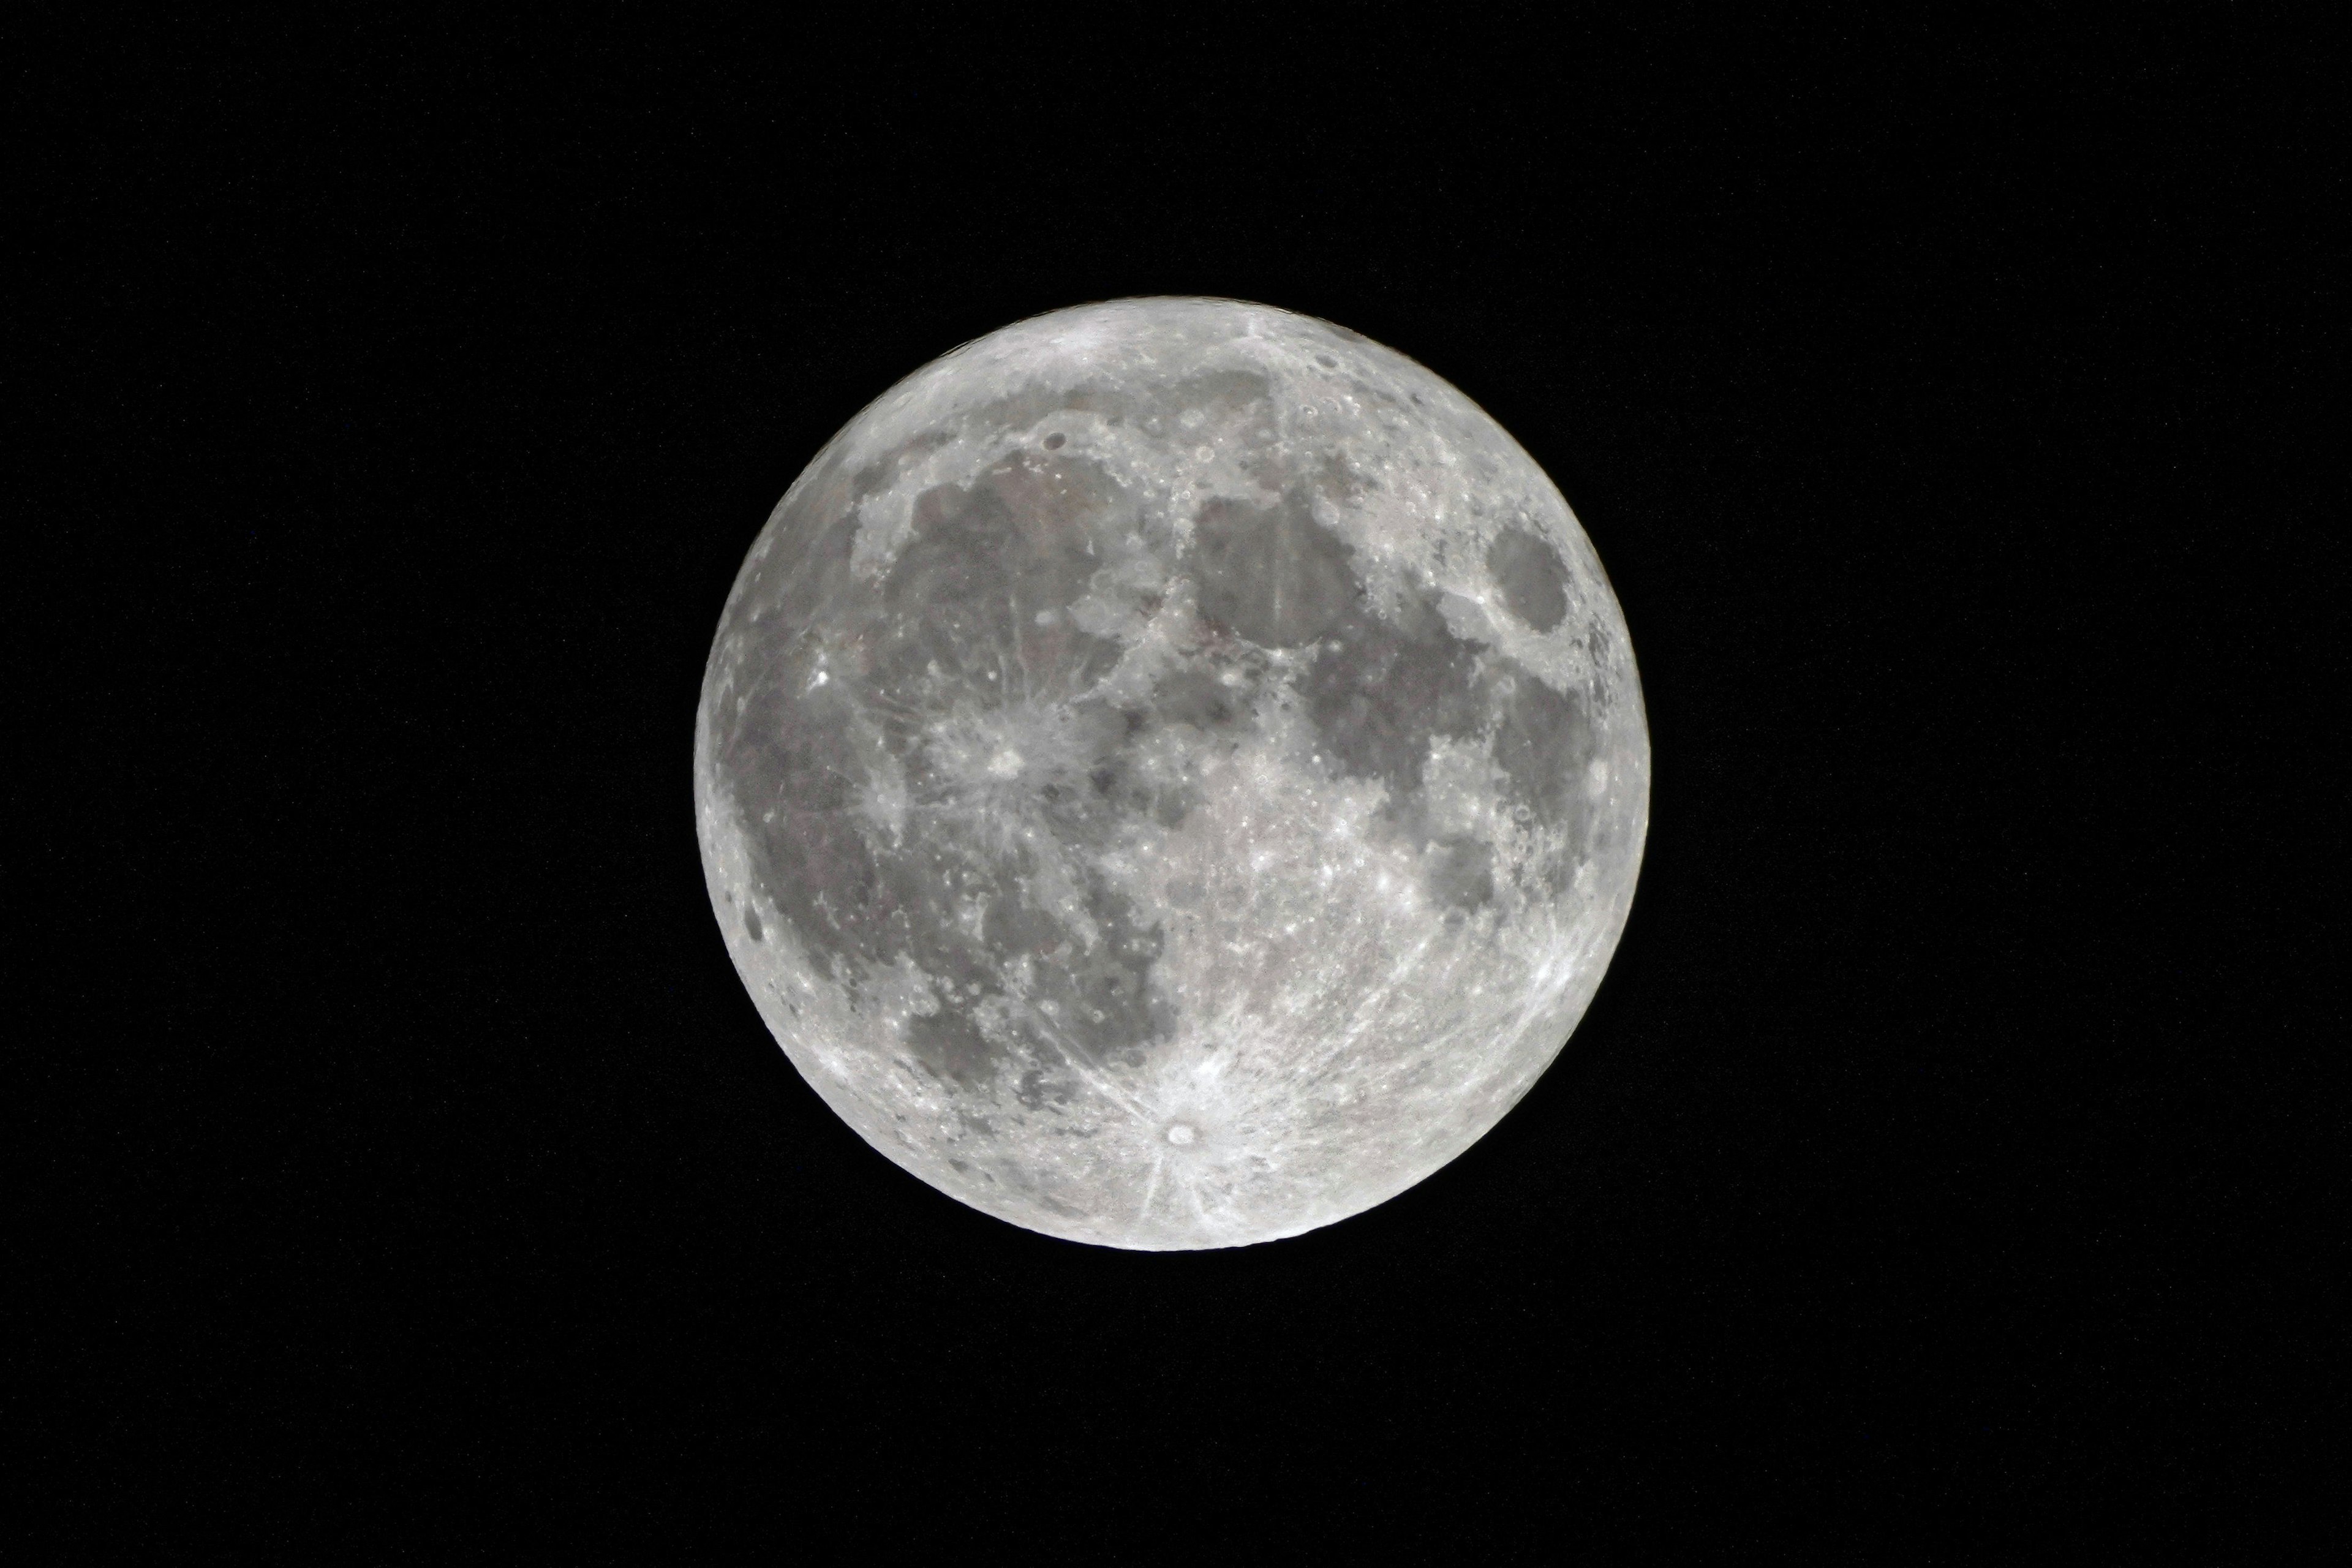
(404, 1170)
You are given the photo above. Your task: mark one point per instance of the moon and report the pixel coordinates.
(1171, 773)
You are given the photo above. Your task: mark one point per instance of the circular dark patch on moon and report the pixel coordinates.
(1531, 576)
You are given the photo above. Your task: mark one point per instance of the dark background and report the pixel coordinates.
(403, 1170)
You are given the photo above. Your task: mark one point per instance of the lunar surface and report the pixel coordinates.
(1171, 773)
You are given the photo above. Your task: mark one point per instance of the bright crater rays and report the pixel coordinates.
(1171, 773)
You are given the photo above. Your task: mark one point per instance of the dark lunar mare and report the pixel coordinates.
(951, 629)
(1387, 678)
(1529, 572)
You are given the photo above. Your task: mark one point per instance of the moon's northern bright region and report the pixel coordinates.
(1171, 773)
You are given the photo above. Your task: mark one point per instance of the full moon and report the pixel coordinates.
(1171, 773)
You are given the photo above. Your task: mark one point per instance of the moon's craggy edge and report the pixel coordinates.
(1171, 773)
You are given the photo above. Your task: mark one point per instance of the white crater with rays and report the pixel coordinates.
(1171, 773)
